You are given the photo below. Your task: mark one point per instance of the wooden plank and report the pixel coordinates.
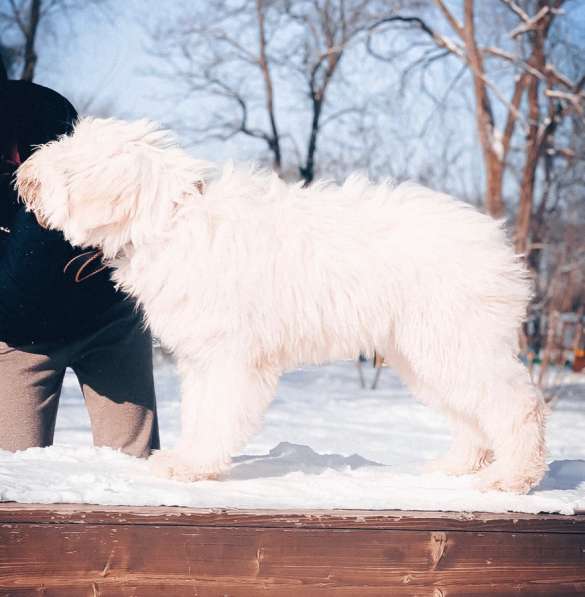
(80, 550)
(310, 556)
(70, 550)
(339, 519)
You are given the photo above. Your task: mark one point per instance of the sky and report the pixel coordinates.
(102, 57)
(101, 62)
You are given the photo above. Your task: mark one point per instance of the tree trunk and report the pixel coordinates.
(494, 203)
(264, 66)
(30, 55)
(534, 141)
(529, 171)
(493, 159)
(308, 169)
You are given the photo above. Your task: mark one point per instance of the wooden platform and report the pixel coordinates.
(72, 550)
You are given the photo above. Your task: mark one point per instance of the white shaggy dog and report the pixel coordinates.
(244, 276)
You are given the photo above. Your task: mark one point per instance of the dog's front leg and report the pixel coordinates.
(222, 405)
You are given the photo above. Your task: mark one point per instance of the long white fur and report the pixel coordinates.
(254, 276)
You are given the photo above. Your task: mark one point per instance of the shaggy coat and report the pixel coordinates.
(244, 276)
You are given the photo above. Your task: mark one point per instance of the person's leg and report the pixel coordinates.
(30, 386)
(114, 368)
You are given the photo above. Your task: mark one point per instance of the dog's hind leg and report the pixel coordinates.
(507, 412)
(222, 405)
(469, 451)
(499, 430)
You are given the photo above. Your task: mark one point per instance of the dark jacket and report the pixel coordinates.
(38, 300)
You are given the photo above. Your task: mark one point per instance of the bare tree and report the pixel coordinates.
(528, 64)
(327, 30)
(21, 20)
(222, 55)
(254, 61)
(20, 24)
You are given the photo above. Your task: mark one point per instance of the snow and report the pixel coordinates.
(325, 443)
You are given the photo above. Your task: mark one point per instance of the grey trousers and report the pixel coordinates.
(114, 369)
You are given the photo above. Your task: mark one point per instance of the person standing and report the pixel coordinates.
(59, 308)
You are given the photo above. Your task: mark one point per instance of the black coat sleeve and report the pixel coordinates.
(9, 203)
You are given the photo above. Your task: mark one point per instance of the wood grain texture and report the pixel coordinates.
(73, 550)
(350, 519)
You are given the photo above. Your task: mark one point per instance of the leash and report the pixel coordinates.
(93, 256)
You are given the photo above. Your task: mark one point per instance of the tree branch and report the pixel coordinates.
(30, 55)
(455, 24)
(516, 10)
(266, 75)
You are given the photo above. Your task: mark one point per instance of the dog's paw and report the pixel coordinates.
(170, 464)
(495, 478)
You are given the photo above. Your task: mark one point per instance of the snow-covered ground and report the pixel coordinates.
(325, 444)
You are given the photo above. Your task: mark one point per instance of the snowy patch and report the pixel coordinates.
(325, 444)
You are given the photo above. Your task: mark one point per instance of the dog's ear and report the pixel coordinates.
(138, 190)
(127, 203)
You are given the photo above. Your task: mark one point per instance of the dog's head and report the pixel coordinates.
(110, 182)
